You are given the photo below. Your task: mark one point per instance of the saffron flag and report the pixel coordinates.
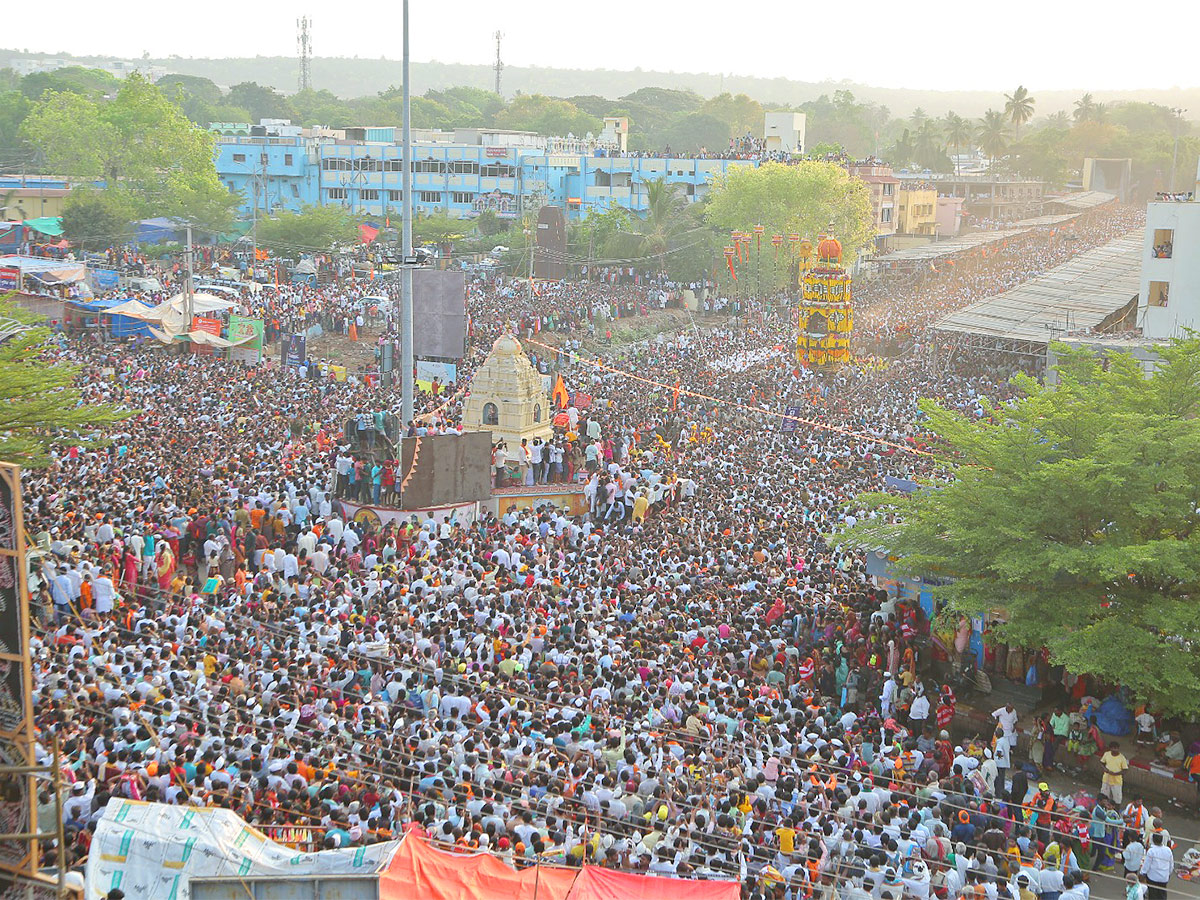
(367, 233)
(561, 397)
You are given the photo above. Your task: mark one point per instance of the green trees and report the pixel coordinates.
(958, 133)
(140, 143)
(1018, 107)
(1076, 511)
(40, 405)
(740, 113)
(546, 115)
(96, 219)
(311, 230)
(1085, 109)
(694, 132)
(993, 134)
(803, 198)
(261, 102)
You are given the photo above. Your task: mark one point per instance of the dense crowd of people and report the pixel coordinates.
(696, 680)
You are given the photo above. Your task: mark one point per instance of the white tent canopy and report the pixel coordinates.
(172, 315)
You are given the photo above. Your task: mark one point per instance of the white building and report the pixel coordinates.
(1169, 295)
(784, 132)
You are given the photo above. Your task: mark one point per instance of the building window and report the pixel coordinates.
(393, 165)
(287, 159)
(429, 166)
(395, 196)
(337, 193)
(491, 415)
(335, 164)
(463, 167)
(1164, 242)
(368, 194)
(498, 170)
(429, 197)
(463, 197)
(885, 215)
(239, 157)
(1159, 293)
(295, 190)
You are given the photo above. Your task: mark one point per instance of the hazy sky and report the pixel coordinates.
(970, 44)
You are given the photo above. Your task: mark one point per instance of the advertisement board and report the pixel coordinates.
(208, 325)
(241, 327)
(293, 350)
(10, 279)
(445, 373)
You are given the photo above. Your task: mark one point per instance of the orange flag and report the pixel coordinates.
(561, 398)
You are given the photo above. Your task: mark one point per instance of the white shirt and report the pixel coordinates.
(1158, 863)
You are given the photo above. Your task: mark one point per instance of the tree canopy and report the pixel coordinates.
(1075, 512)
(40, 405)
(139, 142)
(312, 229)
(803, 198)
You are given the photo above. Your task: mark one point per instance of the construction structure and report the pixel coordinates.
(304, 51)
(826, 317)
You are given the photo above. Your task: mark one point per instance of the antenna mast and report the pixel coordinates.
(499, 66)
(304, 51)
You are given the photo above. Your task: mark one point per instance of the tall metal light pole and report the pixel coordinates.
(406, 278)
(1175, 150)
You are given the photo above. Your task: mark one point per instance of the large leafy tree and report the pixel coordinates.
(95, 219)
(40, 405)
(546, 115)
(803, 198)
(139, 142)
(312, 229)
(1074, 510)
(741, 113)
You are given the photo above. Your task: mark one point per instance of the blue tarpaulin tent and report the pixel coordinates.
(159, 231)
(122, 326)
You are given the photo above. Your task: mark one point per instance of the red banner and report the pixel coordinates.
(209, 326)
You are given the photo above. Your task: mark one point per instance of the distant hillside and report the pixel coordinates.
(351, 77)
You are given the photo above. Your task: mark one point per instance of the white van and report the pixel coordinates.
(144, 284)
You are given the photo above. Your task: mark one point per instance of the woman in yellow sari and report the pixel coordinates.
(165, 561)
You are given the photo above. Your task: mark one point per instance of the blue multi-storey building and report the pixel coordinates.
(508, 172)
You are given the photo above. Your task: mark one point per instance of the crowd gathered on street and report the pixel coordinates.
(692, 678)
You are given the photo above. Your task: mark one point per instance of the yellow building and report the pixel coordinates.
(916, 210)
(32, 198)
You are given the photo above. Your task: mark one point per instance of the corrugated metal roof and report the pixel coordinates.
(1076, 296)
(1082, 200)
(939, 249)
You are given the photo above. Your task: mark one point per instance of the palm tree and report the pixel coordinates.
(958, 132)
(1018, 106)
(993, 134)
(918, 117)
(663, 220)
(1085, 108)
(928, 143)
(1058, 121)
